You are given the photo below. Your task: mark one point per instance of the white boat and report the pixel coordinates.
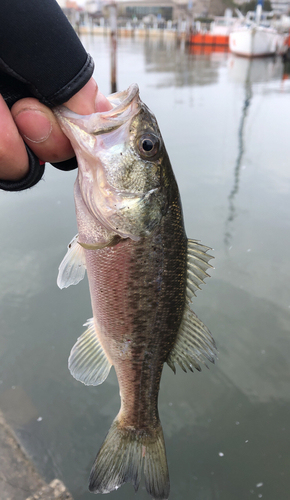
(254, 39)
(224, 25)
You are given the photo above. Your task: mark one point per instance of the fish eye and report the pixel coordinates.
(148, 145)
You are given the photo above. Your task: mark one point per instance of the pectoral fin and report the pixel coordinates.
(88, 362)
(73, 266)
(194, 342)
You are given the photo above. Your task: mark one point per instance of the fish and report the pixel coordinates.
(142, 271)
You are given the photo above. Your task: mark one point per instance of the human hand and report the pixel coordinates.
(33, 122)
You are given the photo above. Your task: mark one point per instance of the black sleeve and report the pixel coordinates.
(35, 172)
(40, 56)
(39, 47)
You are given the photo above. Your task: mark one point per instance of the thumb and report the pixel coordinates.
(40, 130)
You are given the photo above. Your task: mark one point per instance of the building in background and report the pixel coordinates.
(162, 9)
(281, 6)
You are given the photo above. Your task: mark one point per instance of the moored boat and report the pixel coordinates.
(253, 39)
(218, 35)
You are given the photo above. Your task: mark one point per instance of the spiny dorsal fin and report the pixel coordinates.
(88, 362)
(197, 264)
(73, 266)
(194, 342)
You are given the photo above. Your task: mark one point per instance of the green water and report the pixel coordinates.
(225, 122)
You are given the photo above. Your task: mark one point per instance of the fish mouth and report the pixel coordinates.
(125, 105)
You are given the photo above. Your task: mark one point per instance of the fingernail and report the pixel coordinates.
(33, 125)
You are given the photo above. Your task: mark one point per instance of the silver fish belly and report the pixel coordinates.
(142, 272)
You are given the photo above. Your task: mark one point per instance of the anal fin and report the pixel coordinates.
(88, 362)
(194, 344)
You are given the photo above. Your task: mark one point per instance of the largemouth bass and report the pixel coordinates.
(142, 272)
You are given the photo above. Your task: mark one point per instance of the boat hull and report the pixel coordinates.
(256, 42)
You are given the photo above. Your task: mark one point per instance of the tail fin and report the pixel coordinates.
(121, 459)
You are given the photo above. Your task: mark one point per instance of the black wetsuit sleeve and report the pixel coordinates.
(39, 47)
(40, 56)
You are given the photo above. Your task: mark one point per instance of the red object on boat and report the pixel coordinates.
(209, 39)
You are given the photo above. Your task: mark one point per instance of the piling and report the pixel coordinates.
(113, 35)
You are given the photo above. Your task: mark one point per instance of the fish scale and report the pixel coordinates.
(127, 282)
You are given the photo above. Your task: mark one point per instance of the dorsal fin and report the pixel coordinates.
(197, 264)
(194, 342)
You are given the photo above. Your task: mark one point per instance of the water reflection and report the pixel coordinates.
(248, 72)
(185, 68)
(241, 149)
(241, 69)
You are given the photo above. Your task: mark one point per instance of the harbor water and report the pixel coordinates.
(225, 122)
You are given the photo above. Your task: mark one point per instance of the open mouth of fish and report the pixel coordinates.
(103, 122)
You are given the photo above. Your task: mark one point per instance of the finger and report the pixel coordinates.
(102, 103)
(40, 130)
(14, 162)
(89, 100)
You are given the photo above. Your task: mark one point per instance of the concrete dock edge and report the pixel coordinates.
(19, 480)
